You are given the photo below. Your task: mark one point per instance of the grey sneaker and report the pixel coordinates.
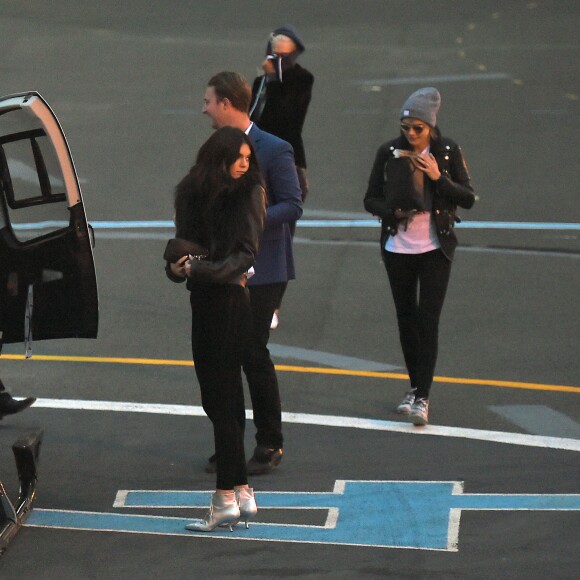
(419, 414)
(405, 407)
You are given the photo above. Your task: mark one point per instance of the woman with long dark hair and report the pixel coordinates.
(220, 206)
(416, 184)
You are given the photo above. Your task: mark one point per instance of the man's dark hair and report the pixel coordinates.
(234, 87)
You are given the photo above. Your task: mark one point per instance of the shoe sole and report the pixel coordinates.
(417, 420)
(193, 528)
(27, 405)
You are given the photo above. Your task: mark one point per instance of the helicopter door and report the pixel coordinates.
(48, 286)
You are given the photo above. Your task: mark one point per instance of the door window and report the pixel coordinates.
(32, 181)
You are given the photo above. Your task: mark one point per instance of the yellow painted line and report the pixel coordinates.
(299, 369)
(509, 384)
(101, 359)
(456, 380)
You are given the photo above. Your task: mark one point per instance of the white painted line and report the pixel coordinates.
(453, 530)
(433, 79)
(119, 406)
(325, 421)
(120, 498)
(332, 518)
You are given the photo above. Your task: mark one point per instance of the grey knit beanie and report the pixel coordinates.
(423, 104)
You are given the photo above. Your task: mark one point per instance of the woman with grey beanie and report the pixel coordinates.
(416, 183)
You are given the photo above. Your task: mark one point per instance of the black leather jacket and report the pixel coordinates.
(452, 189)
(230, 259)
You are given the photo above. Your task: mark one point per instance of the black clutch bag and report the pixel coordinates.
(178, 247)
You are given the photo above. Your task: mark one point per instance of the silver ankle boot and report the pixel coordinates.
(223, 511)
(247, 504)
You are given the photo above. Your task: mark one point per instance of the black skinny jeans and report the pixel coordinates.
(419, 283)
(259, 368)
(220, 326)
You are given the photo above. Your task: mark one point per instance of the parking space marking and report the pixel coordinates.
(329, 359)
(422, 515)
(326, 421)
(539, 420)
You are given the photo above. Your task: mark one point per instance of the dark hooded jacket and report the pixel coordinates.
(285, 101)
(286, 107)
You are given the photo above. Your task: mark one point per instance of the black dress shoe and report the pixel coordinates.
(9, 405)
(264, 460)
(211, 466)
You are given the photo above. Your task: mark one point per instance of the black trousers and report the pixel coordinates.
(419, 283)
(259, 368)
(220, 326)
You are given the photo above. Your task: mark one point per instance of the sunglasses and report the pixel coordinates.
(417, 128)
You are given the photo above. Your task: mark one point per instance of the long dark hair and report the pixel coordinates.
(206, 198)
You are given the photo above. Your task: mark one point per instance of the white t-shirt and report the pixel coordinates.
(420, 236)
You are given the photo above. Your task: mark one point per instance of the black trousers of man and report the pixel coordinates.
(259, 368)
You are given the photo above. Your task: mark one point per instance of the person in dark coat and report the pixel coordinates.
(280, 99)
(220, 206)
(416, 183)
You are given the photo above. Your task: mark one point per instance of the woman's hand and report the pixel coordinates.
(428, 165)
(178, 268)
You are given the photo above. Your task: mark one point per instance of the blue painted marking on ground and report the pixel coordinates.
(310, 223)
(50, 224)
(369, 513)
(519, 225)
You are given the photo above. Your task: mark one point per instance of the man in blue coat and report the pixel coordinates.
(226, 102)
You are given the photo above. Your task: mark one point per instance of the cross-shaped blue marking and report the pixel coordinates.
(420, 515)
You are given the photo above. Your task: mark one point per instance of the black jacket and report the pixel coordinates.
(452, 189)
(233, 246)
(286, 107)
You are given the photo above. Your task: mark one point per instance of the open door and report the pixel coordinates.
(48, 286)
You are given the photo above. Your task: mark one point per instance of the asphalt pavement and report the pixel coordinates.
(490, 488)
